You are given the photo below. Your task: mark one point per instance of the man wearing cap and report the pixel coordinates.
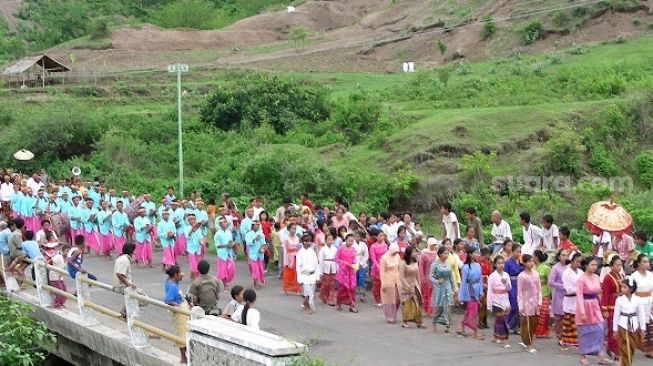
(166, 231)
(142, 226)
(41, 203)
(178, 215)
(246, 225)
(104, 223)
(194, 240)
(254, 240)
(112, 198)
(89, 221)
(160, 209)
(52, 206)
(119, 223)
(224, 244)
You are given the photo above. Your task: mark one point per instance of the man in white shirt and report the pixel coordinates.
(500, 232)
(306, 261)
(362, 258)
(257, 207)
(287, 209)
(602, 243)
(550, 234)
(35, 183)
(6, 193)
(532, 234)
(450, 222)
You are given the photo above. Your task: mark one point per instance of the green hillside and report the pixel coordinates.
(381, 140)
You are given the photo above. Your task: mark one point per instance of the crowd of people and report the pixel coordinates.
(601, 303)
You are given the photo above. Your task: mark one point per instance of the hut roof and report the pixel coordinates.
(43, 60)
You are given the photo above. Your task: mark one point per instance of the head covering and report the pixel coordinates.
(607, 257)
(432, 241)
(394, 248)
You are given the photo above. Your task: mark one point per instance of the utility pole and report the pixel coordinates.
(179, 68)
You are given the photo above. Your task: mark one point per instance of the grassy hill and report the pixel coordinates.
(447, 134)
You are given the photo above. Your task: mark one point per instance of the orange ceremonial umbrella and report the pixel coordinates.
(608, 216)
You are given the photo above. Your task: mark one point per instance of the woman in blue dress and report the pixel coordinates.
(444, 288)
(470, 292)
(513, 268)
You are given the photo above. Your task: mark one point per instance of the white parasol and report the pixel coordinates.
(23, 155)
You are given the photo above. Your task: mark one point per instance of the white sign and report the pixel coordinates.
(408, 66)
(291, 9)
(178, 68)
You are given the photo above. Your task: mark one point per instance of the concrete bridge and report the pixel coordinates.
(342, 338)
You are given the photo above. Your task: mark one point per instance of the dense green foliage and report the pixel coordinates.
(23, 340)
(259, 99)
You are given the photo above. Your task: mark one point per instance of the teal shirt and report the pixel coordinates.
(104, 221)
(193, 240)
(16, 201)
(221, 239)
(142, 232)
(119, 222)
(75, 216)
(149, 206)
(89, 219)
(162, 229)
(254, 241)
(179, 220)
(202, 215)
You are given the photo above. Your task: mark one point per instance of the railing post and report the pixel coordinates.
(10, 281)
(139, 337)
(83, 294)
(41, 278)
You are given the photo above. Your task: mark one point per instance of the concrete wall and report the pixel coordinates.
(95, 345)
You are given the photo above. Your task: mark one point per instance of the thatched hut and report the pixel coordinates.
(36, 70)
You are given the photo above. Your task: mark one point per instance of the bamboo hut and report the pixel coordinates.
(36, 70)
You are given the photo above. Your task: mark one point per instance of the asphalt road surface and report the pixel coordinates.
(340, 338)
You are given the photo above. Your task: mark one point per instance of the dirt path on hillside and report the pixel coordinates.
(8, 10)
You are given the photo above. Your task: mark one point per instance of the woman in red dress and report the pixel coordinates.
(610, 293)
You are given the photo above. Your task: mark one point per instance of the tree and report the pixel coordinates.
(298, 34)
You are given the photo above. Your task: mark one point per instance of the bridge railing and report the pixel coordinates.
(133, 301)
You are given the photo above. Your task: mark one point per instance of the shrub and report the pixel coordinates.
(100, 30)
(198, 14)
(442, 47)
(637, 22)
(564, 153)
(298, 34)
(560, 18)
(258, 98)
(620, 39)
(644, 165)
(476, 167)
(356, 115)
(602, 162)
(577, 49)
(579, 11)
(464, 67)
(23, 340)
(533, 31)
(489, 27)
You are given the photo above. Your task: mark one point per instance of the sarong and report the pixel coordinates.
(256, 270)
(226, 270)
(308, 290)
(590, 339)
(482, 313)
(376, 290)
(470, 319)
(427, 293)
(59, 300)
(193, 259)
(569, 335)
(143, 252)
(390, 310)
(612, 342)
(91, 240)
(180, 320)
(6, 210)
(169, 258)
(290, 280)
(118, 243)
(346, 296)
(328, 291)
(106, 244)
(542, 329)
(527, 325)
(500, 324)
(180, 245)
(411, 309)
(647, 341)
(627, 343)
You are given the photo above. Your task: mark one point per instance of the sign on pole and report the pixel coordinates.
(179, 68)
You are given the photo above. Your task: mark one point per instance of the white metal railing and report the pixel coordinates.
(138, 330)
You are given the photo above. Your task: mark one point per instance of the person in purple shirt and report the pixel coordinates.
(558, 289)
(513, 268)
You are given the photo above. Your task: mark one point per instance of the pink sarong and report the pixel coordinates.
(180, 244)
(118, 242)
(59, 300)
(144, 252)
(193, 259)
(470, 319)
(91, 239)
(169, 258)
(256, 270)
(106, 244)
(226, 270)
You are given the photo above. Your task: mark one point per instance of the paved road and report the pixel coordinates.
(338, 337)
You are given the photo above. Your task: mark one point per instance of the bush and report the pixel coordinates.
(464, 67)
(260, 98)
(644, 165)
(533, 31)
(442, 47)
(23, 340)
(476, 167)
(489, 28)
(602, 162)
(100, 30)
(579, 11)
(198, 14)
(356, 115)
(564, 153)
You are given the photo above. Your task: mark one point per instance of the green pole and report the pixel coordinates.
(181, 151)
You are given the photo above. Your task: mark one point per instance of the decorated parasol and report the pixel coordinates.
(608, 216)
(23, 155)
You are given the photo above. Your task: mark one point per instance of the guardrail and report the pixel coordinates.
(137, 329)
